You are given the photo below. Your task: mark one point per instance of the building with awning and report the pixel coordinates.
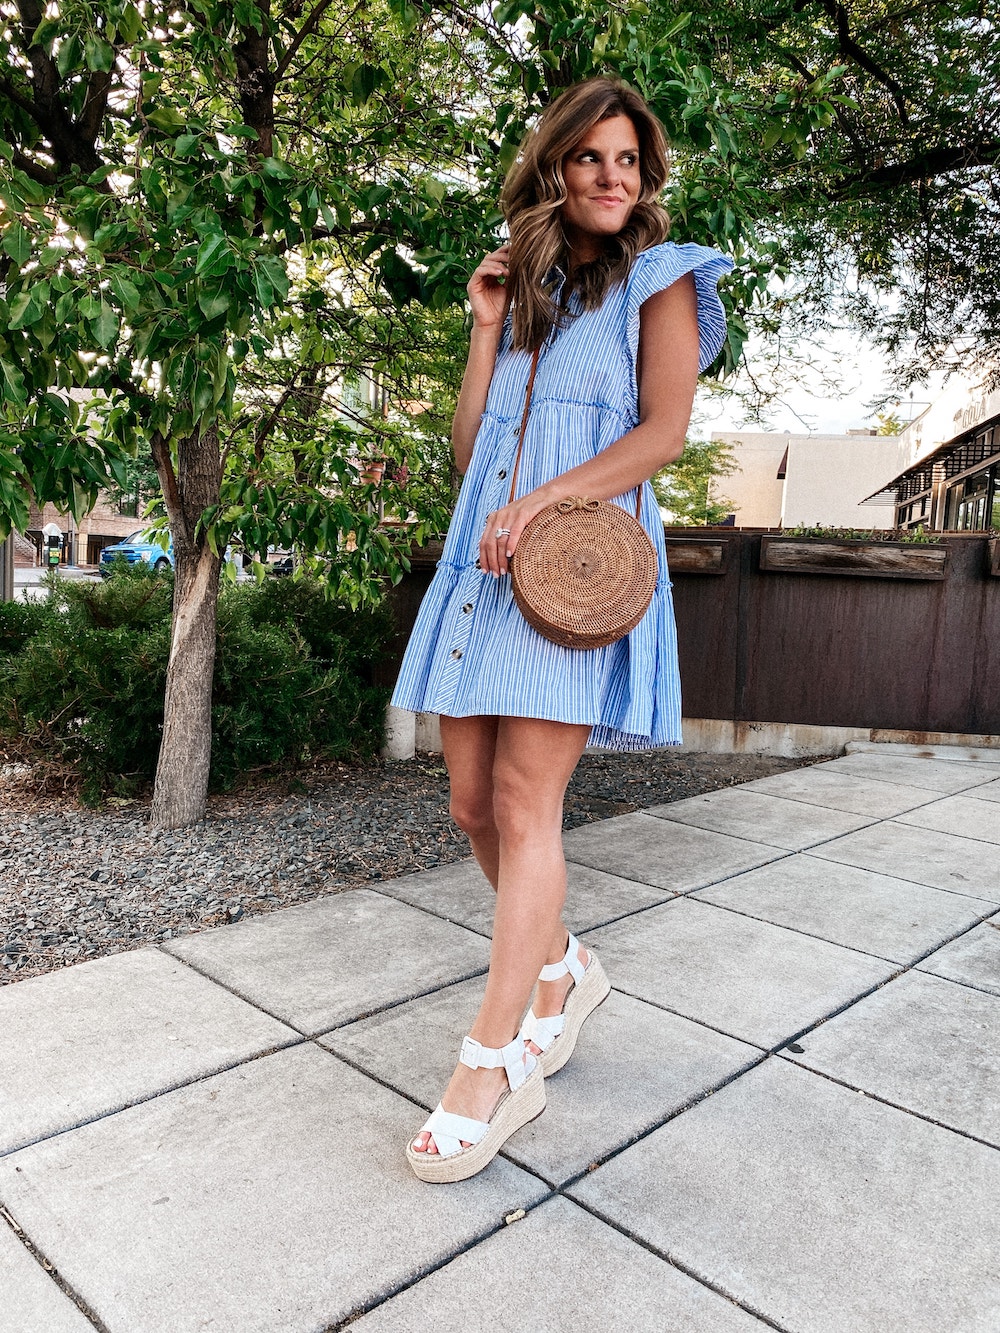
(949, 457)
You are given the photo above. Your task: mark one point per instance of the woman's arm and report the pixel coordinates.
(668, 376)
(489, 300)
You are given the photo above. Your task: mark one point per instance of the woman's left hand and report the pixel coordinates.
(503, 531)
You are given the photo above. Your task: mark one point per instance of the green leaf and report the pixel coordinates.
(69, 55)
(275, 168)
(23, 310)
(46, 32)
(126, 291)
(98, 54)
(105, 325)
(366, 79)
(165, 118)
(186, 144)
(209, 251)
(17, 244)
(213, 303)
(276, 275)
(13, 381)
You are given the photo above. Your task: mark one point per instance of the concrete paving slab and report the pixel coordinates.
(973, 960)
(94, 1038)
(759, 817)
(987, 752)
(817, 1207)
(941, 775)
(621, 1287)
(335, 959)
(273, 1198)
(962, 815)
(754, 981)
(817, 785)
(989, 791)
(459, 893)
(596, 1104)
(925, 1044)
(30, 1299)
(878, 914)
(923, 855)
(664, 854)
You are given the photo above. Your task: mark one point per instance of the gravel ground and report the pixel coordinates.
(78, 884)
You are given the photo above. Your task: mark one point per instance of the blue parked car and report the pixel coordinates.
(135, 549)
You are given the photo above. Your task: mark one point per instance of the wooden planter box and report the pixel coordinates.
(878, 560)
(696, 555)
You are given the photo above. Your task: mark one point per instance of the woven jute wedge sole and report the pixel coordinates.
(583, 999)
(512, 1111)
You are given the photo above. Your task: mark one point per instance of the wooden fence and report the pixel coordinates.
(804, 644)
(912, 645)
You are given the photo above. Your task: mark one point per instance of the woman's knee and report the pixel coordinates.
(520, 810)
(472, 811)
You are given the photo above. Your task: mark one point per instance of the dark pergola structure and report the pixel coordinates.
(956, 488)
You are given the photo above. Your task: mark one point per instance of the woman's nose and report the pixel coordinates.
(610, 173)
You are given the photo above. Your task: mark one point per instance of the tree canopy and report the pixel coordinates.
(186, 188)
(236, 236)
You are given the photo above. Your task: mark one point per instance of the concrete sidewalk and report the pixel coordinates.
(786, 1115)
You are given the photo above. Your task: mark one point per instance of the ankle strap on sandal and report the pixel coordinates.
(509, 1057)
(570, 963)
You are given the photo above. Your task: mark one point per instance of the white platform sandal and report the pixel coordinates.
(522, 1102)
(556, 1036)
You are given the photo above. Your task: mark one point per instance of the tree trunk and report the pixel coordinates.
(186, 748)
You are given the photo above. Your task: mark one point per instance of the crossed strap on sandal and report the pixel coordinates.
(556, 1035)
(523, 1101)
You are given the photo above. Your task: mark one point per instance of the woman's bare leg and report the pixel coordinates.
(532, 763)
(469, 751)
(469, 745)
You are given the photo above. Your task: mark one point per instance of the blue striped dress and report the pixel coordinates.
(471, 651)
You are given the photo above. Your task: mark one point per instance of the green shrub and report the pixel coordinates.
(82, 678)
(21, 621)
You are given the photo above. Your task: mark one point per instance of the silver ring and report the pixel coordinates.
(501, 532)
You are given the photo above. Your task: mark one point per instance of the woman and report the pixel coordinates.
(623, 324)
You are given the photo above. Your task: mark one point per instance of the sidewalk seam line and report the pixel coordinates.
(153, 1096)
(50, 1270)
(792, 1059)
(678, 1264)
(430, 1269)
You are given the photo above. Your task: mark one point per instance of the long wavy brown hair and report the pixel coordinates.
(532, 199)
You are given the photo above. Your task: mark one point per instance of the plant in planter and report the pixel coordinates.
(372, 469)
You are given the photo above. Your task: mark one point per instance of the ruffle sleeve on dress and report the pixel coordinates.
(656, 269)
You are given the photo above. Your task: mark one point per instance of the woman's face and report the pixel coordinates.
(603, 182)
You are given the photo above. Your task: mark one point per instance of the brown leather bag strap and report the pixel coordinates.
(524, 423)
(524, 428)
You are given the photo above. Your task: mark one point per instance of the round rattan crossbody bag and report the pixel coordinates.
(584, 571)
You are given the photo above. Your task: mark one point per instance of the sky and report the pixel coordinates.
(864, 373)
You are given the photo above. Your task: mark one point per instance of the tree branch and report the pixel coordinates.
(307, 27)
(849, 47)
(933, 162)
(34, 169)
(159, 447)
(94, 105)
(256, 82)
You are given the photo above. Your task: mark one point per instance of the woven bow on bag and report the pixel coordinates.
(583, 571)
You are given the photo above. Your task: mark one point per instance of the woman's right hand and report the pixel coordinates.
(488, 294)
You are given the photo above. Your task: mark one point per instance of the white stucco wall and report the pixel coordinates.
(826, 478)
(755, 490)
(829, 476)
